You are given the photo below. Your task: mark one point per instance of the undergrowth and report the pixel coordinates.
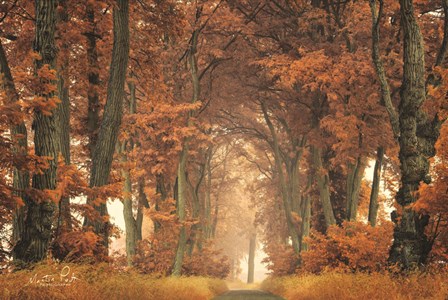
(71, 281)
(334, 285)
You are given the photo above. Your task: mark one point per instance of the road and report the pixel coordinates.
(247, 295)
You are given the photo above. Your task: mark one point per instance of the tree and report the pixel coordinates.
(416, 135)
(35, 237)
(111, 121)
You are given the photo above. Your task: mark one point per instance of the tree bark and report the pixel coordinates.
(64, 216)
(131, 226)
(306, 215)
(93, 119)
(129, 221)
(208, 195)
(113, 111)
(373, 205)
(196, 229)
(379, 67)
(354, 179)
(417, 138)
(323, 182)
(33, 243)
(161, 190)
(142, 202)
(183, 158)
(180, 210)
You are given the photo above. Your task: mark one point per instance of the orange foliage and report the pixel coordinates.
(78, 246)
(355, 246)
(281, 259)
(207, 262)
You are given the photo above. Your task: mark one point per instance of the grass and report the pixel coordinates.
(359, 286)
(103, 282)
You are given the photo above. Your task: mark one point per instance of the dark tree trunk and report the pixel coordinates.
(180, 211)
(93, 80)
(354, 179)
(63, 127)
(142, 202)
(373, 205)
(183, 158)
(129, 221)
(323, 184)
(417, 138)
(108, 133)
(161, 190)
(416, 134)
(37, 232)
(195, 238)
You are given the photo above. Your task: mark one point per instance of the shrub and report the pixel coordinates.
(355, 247)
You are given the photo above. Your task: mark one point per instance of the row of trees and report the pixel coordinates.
(166, 105)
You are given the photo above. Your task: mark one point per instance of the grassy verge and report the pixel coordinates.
(359, 286)
(103, 282)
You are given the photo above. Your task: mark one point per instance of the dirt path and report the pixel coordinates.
(247, 295)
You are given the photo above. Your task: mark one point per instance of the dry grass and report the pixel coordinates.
(103, 282)
(359, 286)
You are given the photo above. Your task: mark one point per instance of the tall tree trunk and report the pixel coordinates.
(132, 234)
(196, 229)
(113, 111)
(93, 76)
(161, 190)
(129, 221)
(251, 260)
(417, 138)
(183, 158)
(142, 202)
(216, 210)
(386, 98)
(64, 216)
(294, 183)
(323, 184)
(293, 233)
(306, 215)
(354, 179)
(208, 195)
(19, 137)
(373, 205)
(33, 243)
(180, 210)
(416, 134)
